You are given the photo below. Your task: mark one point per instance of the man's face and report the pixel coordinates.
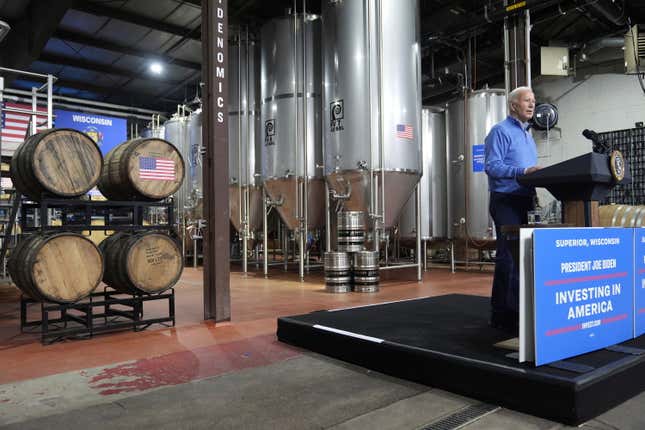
(523, 107)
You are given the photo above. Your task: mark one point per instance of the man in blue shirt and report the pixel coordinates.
(509, 152)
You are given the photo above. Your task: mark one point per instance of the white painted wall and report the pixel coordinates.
(603, 102)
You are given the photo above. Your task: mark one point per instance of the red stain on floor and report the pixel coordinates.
(185, 366)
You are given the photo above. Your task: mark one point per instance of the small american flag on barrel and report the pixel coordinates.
(404, 131)
(160, 169)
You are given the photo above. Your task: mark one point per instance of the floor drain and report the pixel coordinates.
(463, 417)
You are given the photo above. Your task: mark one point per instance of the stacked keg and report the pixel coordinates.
(338, 272)
(351, 265)
(351, 231)
(366, 272)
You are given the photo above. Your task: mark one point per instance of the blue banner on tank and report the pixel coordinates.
(478, 158)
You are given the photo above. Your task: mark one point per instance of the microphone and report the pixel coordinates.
(599, 144)
(590, 134)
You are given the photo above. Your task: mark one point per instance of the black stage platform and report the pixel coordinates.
(446, 342)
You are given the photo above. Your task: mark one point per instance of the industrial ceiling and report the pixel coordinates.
(102, 49)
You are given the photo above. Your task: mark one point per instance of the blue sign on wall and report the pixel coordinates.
(639, 281)
(583, 290)
(106, 131)
(478, 158)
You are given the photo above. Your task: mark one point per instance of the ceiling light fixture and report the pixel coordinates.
(156, 68)
(4, 29)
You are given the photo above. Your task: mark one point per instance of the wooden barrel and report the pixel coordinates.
(142, 169)
(607, 214)
(639, 216)
(61, 268)
(621, 216)
(58, 161)
(141, 262)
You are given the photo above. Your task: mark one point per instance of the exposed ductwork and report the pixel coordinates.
(595, 46)
(443, 83)
(611, 10)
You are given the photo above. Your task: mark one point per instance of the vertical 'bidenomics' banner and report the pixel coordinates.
(583, 290)
(217, 297)
(106, 131)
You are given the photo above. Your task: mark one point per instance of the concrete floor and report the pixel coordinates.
(235, 375)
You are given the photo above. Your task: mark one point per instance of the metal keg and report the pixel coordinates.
(366, 272)
(351, 231)
(338, 272)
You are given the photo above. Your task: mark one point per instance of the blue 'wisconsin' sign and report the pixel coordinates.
(583, 290)
(106, 131)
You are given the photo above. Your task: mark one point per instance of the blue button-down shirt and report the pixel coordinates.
(509, 149)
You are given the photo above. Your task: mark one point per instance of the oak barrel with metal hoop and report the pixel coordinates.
(622, 216)
(62, 162)
(142, 169)
(146, 262)
(61, 268)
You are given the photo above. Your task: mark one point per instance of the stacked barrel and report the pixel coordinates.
(146, 169)
(147, 262)
(65, 267)
(622, 216)
(61, 268)
(351, 266)
(59, 162)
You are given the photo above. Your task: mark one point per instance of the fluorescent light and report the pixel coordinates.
(156, 68)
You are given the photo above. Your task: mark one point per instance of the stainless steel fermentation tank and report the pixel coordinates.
(244, 155)
(153, 132)
(291, 120)
(372, 105)
(175, 131)
(291, 133)
(432, 186)
(469, 119)
(194, 174)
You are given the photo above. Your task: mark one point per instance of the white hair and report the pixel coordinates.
(514, 95)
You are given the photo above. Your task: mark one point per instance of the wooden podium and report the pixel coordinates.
(579, 183)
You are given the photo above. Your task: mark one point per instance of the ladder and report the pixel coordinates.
(7, 224)
(8, 237)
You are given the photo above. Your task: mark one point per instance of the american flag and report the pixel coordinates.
(404, 131)
(160, 169)
(14, 126)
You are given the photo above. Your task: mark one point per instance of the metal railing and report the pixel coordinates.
(8, 236)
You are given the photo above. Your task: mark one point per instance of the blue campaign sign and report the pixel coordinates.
(478, 158)
(583, 290)
(639, 281)
(106, 131)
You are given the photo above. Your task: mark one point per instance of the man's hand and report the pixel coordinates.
(531, 169)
